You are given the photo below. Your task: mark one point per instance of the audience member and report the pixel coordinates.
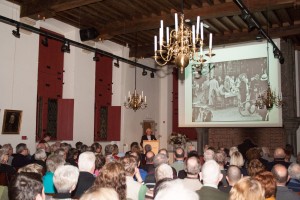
(211, 176)
(135, 189)
(115, 152)
(268, 182)
(78, 146)
(8, 170)
(266, 154)
(72, 158)
(289, 153)
(178, 164)
(9, 151)
(279, 156)
(86, 165)
(99, 163)
(247, 189)
(294, 173)
(220, 158)
(209, 155)
(113, 176)
(192, 169)
(33, 167)
(254, 167)
(65, 179)
(238, 160)
(108, 153)
(97, 148)
(40, 157)
(21, 158)
(281, 175)
(98, 193)
(26, 186)
(233, 176)
(143, 173)
(149, 166)
(163, 171)
(52, 163)
(245, 146)
(175, 190)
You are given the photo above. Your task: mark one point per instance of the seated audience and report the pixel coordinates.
(211, 176)
(52, 163)
(281, 175)
(266, 154)
(5, 169)
(209, 154)
(268, 183)
(149, 166)
(294, 173)
(233, 176)
(178, 163)
(98, 193)
(192, 169)
(26, 186)
(175, 190)
(86, 165)
(247, 189)
(220, 158)
(279, 156)
(135, 189)
(115, 152)
(143, 173)
(254, 167)
(113, 176)
(163, 171)
(65, 179)
(21, 158)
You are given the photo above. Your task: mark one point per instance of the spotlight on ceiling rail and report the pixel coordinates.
(65, 47)
(116, 64)
(16, 32)
(144, 72)
(152, 75)
(45, 41)
(96, 57)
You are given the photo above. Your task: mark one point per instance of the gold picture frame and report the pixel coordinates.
(12, 121)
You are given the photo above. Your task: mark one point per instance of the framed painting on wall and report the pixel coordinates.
(11, 121)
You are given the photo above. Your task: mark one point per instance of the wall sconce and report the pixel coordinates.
(65, 47)
(144, 72)
(16, 32)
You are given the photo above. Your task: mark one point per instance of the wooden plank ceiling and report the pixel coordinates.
(135, 22)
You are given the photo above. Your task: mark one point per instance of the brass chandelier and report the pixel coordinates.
(135, 101)
(181, 45)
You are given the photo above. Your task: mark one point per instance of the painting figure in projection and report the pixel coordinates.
(227, 91)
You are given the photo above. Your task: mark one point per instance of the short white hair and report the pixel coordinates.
(86, 161)
(294, 171)
(210, 173)
(175, 189)
(163, 171)
(40, 154)
(65, 178)
(209, 155)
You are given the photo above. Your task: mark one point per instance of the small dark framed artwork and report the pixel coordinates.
(12, 121)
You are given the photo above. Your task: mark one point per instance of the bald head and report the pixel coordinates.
(233, 175)
(279, 153)
(281, 174)
(193, 166)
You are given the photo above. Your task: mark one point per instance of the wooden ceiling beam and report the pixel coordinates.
(234, 38)
(219, 10)
(48, 8)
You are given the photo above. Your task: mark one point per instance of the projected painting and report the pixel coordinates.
(223, 92)
(227, 91)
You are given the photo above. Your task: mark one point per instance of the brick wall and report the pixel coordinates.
(228, 137)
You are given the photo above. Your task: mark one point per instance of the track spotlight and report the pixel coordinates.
(144, 72)
(16, 32)
(65, 47)
(259, 36)
(116, 64)
(276, 53)
(96, 58)
(45, 41)
(152, 75)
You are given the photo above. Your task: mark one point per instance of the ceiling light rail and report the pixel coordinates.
(72, 42)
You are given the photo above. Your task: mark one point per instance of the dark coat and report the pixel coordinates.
(144, 137)
(210, 193)
(85, 181)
